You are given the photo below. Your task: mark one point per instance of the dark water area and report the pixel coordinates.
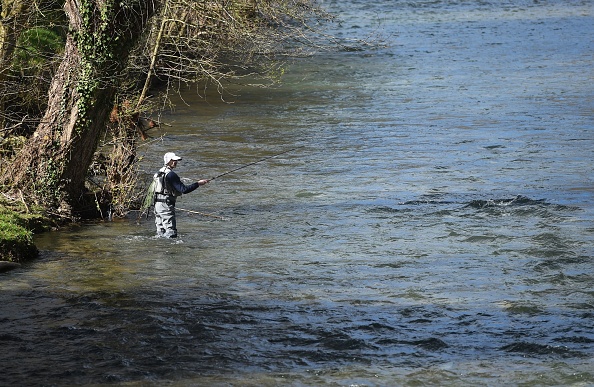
(434, 227)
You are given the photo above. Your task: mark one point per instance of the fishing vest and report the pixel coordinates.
(163, 193)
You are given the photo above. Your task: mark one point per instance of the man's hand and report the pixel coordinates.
(203, 181)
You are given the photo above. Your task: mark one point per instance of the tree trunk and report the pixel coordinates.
(52, 166)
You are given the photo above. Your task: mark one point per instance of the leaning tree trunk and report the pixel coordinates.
(52, 166)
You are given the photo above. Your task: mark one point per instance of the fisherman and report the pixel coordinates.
(165, 198)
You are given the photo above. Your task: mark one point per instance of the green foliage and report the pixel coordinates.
(16, 231)
(24, 91)
(36, 46)
(16, 242)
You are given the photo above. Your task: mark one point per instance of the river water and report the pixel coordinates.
(434, 227)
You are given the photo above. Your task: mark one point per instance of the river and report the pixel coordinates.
(433, 227)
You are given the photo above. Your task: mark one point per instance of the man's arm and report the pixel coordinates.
(176, 183)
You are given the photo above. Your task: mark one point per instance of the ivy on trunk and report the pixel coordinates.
(52, 166)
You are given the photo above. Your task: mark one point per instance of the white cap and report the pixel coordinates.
(170, 156)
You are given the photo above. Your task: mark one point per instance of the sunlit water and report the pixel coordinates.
(434, 227)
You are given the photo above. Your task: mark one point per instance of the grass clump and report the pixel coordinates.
(17, 226)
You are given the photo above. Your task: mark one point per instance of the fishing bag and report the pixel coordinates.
(159, 182)
(158, 186)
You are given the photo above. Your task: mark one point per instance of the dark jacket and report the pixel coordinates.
(175, 184)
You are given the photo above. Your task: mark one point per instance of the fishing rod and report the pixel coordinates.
(255, 162)
(233, 170)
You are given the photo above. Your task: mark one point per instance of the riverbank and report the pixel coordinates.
(18, 224)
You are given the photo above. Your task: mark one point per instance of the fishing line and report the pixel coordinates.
(255, 162)
(200, 213)
(233, 170)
